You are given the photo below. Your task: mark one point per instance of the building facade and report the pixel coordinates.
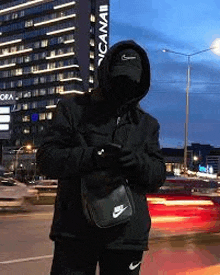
(213, 160)
(48, 49)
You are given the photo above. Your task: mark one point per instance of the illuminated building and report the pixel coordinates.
(48, 49)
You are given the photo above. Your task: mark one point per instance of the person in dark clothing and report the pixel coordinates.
(82, 127)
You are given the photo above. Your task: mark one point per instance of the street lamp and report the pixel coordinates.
(29, 148)
(214, 46)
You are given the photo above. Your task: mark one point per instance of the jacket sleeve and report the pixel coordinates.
(151, 172)
(63, 153)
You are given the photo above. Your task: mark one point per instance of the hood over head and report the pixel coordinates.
(124, 73)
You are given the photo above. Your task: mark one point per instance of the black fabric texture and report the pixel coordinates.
(76, 258)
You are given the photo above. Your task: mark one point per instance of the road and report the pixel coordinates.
(25, 248)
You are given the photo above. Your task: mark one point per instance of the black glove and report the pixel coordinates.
(107, 156)
(128, 161)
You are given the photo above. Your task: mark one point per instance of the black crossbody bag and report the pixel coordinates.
(107, 206)
(111, 203)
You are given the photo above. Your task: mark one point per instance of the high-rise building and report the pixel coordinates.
(48, 49)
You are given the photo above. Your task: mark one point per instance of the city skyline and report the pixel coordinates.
(48, 49)
(183, 27)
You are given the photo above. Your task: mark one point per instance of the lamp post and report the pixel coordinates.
(28, 147)
(187, 96)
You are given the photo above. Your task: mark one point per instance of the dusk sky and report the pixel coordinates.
(183, 26)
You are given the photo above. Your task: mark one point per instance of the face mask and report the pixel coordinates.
(123, 89)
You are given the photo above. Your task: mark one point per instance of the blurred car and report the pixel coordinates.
(15, 194)
(185, 205)
(182, 214)
(46, 191)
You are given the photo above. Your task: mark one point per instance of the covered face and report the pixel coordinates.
(124, 73)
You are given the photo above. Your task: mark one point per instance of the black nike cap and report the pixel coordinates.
(128, 63)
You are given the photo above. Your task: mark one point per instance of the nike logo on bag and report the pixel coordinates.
(118, 210)
(124, 57)
(132, 266)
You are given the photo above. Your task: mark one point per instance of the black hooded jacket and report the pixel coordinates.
(83, 123)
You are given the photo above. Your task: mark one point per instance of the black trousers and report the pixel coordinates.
(77, 258)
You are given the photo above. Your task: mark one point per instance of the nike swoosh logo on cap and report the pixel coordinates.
(124, 57)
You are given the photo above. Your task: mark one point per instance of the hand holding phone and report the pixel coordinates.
(112, 148)
(107, 156)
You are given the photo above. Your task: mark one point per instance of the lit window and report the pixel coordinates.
(53, 53)
(42, 116)
(26, 118)
(92, 18)
(51, 65)
(91, 67)
(70, 49)
(92, 42)
(18, 107)
(60, 51)
(29, 23)
(5, 51)
(35, 68)
(92, 55)
(13, 49)
(49, 116)
(25, 106)
(59, 89)
(60, 39)
(21, 47)
(19, 95)
(59, 76)
(26, 130)
(27, 94)
(19, 71)
(19, 83)
(44, 43)
(14, 16)
(91, 79)
(70, 37)
(27, 59)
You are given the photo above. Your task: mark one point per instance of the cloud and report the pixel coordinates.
(148, 37)
(186, 27)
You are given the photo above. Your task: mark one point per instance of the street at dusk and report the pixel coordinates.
(26, 248)
(109, 137)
